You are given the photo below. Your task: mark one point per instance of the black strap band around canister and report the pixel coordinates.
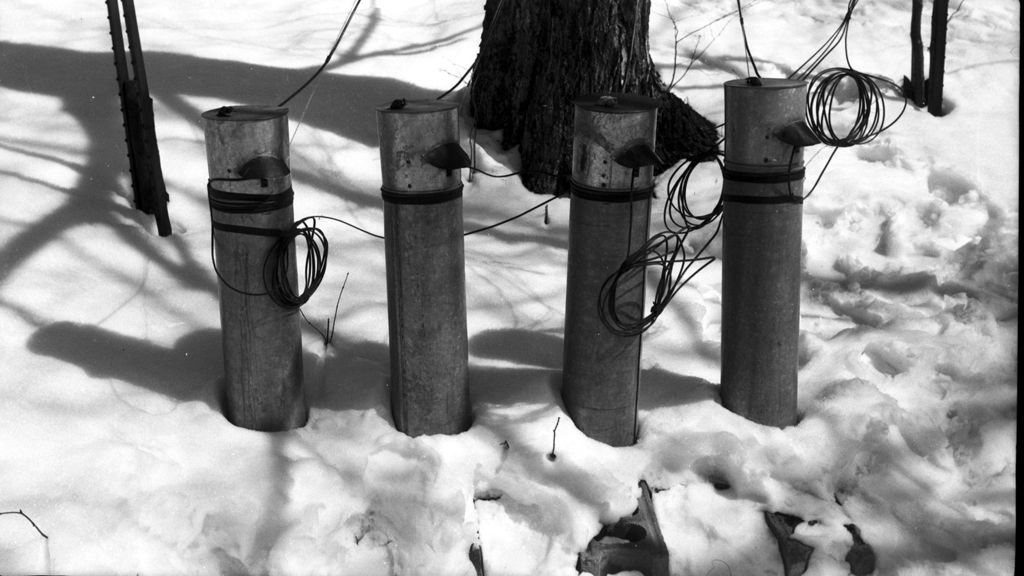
(747, 177)
(762, 177)
(614, 195)
(421, 198)
(238, 203)
(744, 199)
(250, 230)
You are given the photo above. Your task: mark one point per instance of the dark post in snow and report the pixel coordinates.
(250, 198)
(761, 228)
(421, 165)
(608, 219)
(150, 192)
(915, 90)
(937, 56)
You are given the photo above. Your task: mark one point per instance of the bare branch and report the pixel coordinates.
(30, 521)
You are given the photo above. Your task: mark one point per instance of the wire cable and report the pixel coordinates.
(516, 217)
(827, 88)
(472, 66)
(746, 44)
(327, 60)
(676, 213)
(870, 121)
(277, 266)
(524, 212)
(839, 36)
(664, 251)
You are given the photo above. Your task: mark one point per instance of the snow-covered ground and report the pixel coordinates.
(112, 441)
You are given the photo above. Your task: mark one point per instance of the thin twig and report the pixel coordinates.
(958, 7)
(332, 325)
(554, 431)
(30, 521)
(697, 52)
(675, 44)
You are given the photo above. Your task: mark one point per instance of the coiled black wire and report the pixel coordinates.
(277, 263)
(823, 94)
(870, 121)
(676, 213)
(277, 266)
(665, 252)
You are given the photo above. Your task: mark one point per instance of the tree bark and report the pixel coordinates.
(537, 56)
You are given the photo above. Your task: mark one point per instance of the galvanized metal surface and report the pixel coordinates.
(601, 132)
(261, 340)
(601, 371)
(426, 283)
(753, 116)
(761, 245)
(407, 135)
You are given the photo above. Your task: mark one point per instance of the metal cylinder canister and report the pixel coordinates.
(761, 245)
(426, 283)
(250, 199)
(612, 185)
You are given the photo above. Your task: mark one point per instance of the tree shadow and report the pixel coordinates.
(85, 84)
(522, 347)
(537, 375)
(191, 370)
(352, 377)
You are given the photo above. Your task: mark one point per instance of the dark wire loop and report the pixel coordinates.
(277, 263)
(277, 266)
(824, 91)
(870, 121)
(665, 251)
(677, 214)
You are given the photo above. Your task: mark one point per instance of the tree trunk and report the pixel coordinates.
(537, 56)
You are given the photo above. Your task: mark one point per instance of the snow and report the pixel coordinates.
(111, 436)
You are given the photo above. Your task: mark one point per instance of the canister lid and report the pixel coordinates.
(765, 83)
(244, 113)
(403, 106)
(615, 103)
